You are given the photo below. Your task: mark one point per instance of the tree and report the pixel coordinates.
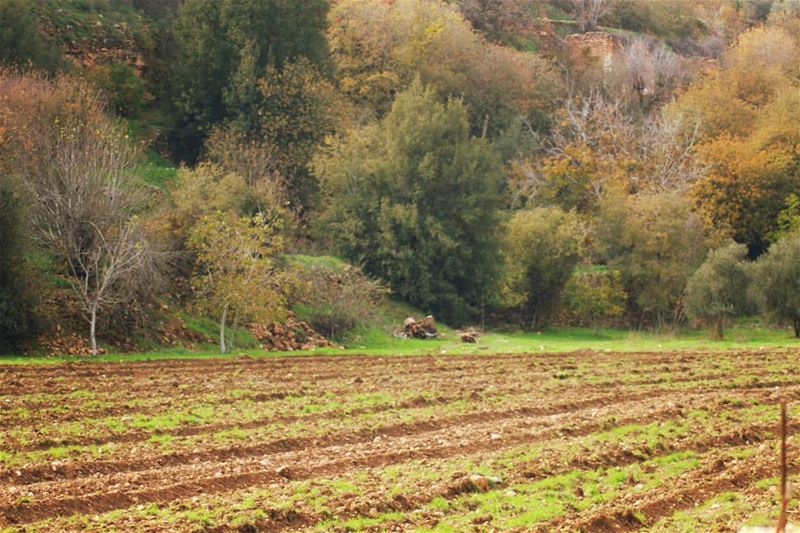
(85, 202)
(718, 290)
(656, 242)
(777, 281)
(22, 42)
(285, 113)
(380, 48)
(126, 91)
(589, 12)
(414, 200)
(595, 295)
(541, 249)
(598, 149)
(788, 219)
(17, 293)
(748, 110)
(234, 272)
(226, 41)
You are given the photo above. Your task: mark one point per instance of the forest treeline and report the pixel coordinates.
(521, 162)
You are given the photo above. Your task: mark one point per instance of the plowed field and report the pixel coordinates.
(589, 441)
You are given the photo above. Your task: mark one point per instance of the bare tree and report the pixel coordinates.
(78, 165)
(648, 73)
(589, 12)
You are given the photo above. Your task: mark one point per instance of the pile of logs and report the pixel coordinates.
(469, 336)
(288, 337)
(420, 329)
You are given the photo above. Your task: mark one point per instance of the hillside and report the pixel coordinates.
(193, 170)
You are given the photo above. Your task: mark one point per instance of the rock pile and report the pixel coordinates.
(288, 337)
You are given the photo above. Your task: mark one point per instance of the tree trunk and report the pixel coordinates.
(718, 333)
(222, 328)
(93, 328)
(231, 342)
(797, 328)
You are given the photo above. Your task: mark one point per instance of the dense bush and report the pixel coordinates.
(656, 242)
(541, 249)
(777, 281)
(127, 92)
(222, 42)
(414, 200)
(22, 43)
(595, 295)
(17, 291)
(338, 299)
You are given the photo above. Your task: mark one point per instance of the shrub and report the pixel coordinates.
(22, 42)
(594, 296)
(777, 281)
(656, 242)
(17, 293)
(541, 249)
(339, 299)
(127, 92)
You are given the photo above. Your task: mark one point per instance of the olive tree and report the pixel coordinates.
(718, 290)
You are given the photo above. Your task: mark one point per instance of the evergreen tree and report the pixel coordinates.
(231, 41)
(22, 43)
(414, 199)
(16, 289)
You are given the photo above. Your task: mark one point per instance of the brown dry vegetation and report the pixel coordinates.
(583, 441)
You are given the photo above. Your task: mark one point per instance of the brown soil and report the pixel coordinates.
(482, 405)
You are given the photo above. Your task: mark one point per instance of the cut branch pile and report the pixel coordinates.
(62, 343)
(288, 337)
(420, 329)
(176, 332)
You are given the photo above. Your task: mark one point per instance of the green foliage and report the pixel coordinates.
(414, 200)
(777, 281)
(656, 242)
(223, 42)
(788, 219)
(719, 289)
(17, 293)
(595, 295)
(208, 188)
(541, 248)
(127, 92)
(233, 271)
(22, 43)
(288, 113)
